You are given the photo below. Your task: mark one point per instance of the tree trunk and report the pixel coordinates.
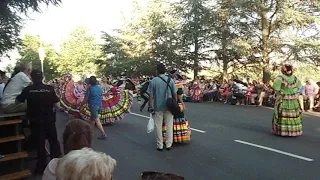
(196, 57)
(265, 37)
(224, 43)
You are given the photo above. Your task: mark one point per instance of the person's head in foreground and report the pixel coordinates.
(77, 135)
(287, 70)
(93, 81)
(36, 77)
(27, 68)
(161, 69)
(85, 164)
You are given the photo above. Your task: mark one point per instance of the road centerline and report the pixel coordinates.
(274, 150)
(135, 114)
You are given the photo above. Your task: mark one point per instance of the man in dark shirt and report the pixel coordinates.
(41, 99)
(144, 94)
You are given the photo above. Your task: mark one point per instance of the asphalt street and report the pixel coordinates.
(228, 142)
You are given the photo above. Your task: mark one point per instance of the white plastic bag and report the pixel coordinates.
(150, 126)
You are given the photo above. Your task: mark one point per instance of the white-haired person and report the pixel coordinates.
(85, 164)
(14, 88)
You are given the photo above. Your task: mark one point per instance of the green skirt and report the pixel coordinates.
(287, 119)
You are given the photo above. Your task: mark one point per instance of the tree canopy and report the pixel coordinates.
(11, 20)
(233, 35)
(230, 37)
(28, 52)
(79, 53)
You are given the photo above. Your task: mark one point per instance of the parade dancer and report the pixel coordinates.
(93, 98)
(287, 119)
(181, 128)
(115, 103)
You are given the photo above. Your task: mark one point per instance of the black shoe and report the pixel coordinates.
(38, 172)
(168, 148)
(159, 149)
(102, 137)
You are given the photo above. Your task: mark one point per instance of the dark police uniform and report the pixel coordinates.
(40, 100)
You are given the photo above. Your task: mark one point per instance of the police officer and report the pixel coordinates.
(41, 99)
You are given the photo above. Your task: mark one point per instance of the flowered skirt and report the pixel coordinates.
(287, 119)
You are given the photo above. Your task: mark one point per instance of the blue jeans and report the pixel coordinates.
(94, 111)
(212, 95)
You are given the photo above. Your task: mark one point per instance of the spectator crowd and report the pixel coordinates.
(246, 92)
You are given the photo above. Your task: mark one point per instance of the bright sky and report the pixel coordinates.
(54, 24)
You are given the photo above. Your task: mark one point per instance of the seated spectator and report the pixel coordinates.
(77, 135)
(318, 98)
(223, 86)
(270, 94)
(196, 92)
(2, 82)
(226, 93)
(252, 93)
(239, 90)
(261, 91)
(212, 90)
(14, 88)
(85, 164)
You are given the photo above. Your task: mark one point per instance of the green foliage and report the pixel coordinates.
(79, 53)
(239, 37)
(272, 28)
(196, 30)
(29, 53)
(10, 20)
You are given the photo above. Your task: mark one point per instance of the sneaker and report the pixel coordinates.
(159, 149)
(102, 137)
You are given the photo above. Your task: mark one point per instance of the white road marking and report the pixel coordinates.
(193, 129)
(274, 150)
(198, 130)
(139, 115)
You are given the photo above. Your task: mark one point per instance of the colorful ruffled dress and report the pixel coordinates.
(196, 94)
(181, 127)
(287, 119)
(115, 104)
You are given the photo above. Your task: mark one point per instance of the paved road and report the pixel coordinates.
(214, 154)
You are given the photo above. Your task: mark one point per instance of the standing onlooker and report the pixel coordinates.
(94, 99)
(2, 82)
(310, 91)
(158, 93)
(40, 101)
(13, 88)
(144, 94)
